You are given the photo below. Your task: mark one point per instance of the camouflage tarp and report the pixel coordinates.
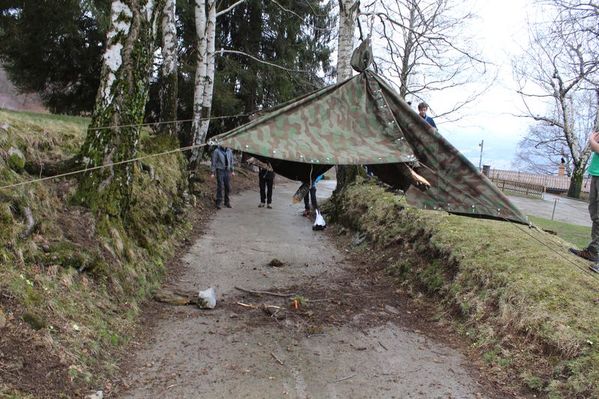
(362, 121)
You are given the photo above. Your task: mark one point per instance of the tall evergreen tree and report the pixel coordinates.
(55, 48)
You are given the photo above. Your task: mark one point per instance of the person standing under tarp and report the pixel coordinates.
(222, 168)
(266, 180)
(311, 196)
(591, 252)
(422, 108)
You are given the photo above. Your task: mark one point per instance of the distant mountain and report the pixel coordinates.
(11, 99)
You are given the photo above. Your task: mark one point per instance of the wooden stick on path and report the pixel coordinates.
(265, 293)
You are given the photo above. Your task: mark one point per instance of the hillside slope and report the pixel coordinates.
(71, 285)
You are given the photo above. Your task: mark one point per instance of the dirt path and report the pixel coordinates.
(346, 341)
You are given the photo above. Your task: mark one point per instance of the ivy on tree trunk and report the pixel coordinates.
(113, 135)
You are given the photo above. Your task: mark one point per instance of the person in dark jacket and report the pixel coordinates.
(222, 168)
(266, 180)
(422, 108)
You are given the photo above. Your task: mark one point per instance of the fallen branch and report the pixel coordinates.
(277, 359)
(263, 306)
(265, 293)
(53, 168)
(343, 379)
(247, 305)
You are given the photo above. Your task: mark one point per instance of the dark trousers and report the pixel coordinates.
(594, 212)
(265, 189)
(312, 195)
(223, 182)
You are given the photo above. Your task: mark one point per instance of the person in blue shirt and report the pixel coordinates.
(422, 108)
(591, 252)
(312, 197)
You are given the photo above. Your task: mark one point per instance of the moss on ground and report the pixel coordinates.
(528, 306)
(76, 280)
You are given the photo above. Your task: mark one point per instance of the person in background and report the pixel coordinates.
(422, 109)
(591, 252)
(311, 196)
(266, 180)
(222, 168)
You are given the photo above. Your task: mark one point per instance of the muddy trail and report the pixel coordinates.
(351, 336)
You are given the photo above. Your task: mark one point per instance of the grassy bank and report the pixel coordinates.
(70, 291)
(525, 303)
(577, 235)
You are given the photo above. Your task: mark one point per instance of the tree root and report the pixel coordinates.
(47, 169)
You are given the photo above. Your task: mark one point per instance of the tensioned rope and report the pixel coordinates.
(75, 172)
(561, 255)
(89, 169)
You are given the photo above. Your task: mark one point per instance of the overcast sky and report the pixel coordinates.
(501, 31)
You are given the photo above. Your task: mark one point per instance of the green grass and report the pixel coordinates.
(524, 301)
(577, 235)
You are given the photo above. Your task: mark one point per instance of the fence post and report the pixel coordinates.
(554, 205)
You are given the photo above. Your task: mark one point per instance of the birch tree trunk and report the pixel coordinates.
(201, 21)
(168, 89)
(209, 78)
(113, 135)
(348, 13)
(204, 80)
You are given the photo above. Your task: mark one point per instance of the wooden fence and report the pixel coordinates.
(554, 184)
(521, 188)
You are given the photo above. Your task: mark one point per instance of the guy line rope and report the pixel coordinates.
(79, 171)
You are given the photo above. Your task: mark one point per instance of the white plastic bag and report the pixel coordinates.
(319, 223)
(207, 298)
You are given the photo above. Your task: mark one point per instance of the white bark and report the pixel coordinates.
(169, 38)
(201, 65)
(121, 16)
(204, 79)
(168, 89)
(210, 66)
(348, 12)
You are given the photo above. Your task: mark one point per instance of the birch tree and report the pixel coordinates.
(348, 13)
(205, 17)
(559, 70)
(425, 48)
(169, 81)
(113, 135)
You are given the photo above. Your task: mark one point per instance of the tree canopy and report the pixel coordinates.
(55, 48)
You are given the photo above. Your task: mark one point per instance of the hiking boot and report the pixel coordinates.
(268, 206)
(217, 206)
(306, 213)
(594, 268)
(585, 254)
(261, 205)
(228, 205)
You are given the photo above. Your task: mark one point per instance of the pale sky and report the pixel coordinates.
(501, 32)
